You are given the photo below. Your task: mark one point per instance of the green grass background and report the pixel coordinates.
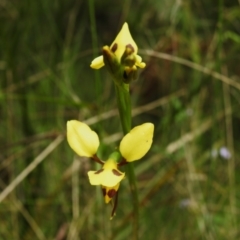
(187, 189)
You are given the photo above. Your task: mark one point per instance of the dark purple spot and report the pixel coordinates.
(111, 193)
(114, 47)
(99, 171)
(130, 46)
(116, 172)
(104, 192)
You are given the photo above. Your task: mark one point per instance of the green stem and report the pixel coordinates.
(124, 108)
(93, 28)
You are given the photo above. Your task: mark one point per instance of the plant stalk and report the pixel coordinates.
(124, 108)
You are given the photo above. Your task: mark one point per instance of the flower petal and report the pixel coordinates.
(108, 176)
(139, 62)
(97, 63)
(82, 139)
(123, 39)
(137, 142)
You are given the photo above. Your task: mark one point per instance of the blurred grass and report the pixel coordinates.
(187, 189)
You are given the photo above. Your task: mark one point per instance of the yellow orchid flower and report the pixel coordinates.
(124, 39)
(82, 139)
(121, 57)
(133, 146)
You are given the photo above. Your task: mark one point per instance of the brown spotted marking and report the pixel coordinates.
(111, 193)
(114, 47)
(116, 172)
(130, 46)
(99, 171)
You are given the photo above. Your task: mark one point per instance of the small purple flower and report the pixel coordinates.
(225, 153)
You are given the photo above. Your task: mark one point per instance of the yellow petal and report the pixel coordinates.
(82, 139)
(123, 39)
(108, 176)
(139, 62)
(137, 142)
(97, 63)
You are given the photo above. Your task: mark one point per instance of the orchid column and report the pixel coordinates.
(121, 60)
